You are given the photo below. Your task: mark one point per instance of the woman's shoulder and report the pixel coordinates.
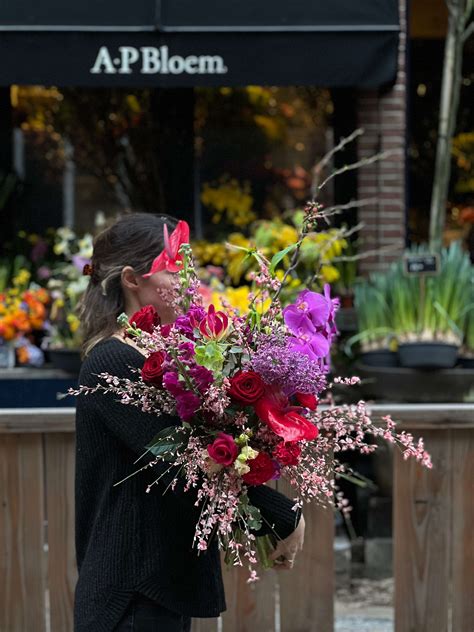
(111, 356)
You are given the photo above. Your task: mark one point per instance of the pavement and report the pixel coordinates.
(364, 605)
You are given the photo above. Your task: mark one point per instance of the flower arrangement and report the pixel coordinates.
(247, 393)
(67, 284)
(23, 310)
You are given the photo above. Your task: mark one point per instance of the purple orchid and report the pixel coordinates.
(315, 347)
(308, 314)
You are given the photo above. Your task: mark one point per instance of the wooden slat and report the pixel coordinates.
(37, 420)
(22, 563)
(49, 420)
(463, 530)
(421, 538)
(250, 607)
(204, 625)
(307, 592)
(62, 572)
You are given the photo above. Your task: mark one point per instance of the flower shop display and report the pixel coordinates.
(421, 318)
(429, 312)
(67, 284)
(247, 391)
(23, 310)
(229, 271)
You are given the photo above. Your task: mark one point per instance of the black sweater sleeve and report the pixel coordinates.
(136, 429)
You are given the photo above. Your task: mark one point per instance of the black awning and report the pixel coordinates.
(268, 42)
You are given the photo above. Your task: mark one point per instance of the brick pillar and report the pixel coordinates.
(382, 113)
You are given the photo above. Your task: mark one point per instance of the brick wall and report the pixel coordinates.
(382, 113)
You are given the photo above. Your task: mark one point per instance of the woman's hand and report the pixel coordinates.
(286, 550)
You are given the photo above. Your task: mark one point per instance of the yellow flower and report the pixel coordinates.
(238, 297)
(73, 322)
(22, 278)
(329, 273)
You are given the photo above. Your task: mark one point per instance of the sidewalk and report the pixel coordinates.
(365, 606)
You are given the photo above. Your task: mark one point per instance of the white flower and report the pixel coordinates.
(241, 468)
(248, 453)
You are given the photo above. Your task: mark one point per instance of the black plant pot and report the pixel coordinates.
(379, 357)
(427, 355)
(68, 360)
(399, 384)
(465, 362)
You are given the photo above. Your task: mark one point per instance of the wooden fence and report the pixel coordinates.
(433, 535)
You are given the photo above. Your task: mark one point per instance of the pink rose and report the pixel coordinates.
(224, 449)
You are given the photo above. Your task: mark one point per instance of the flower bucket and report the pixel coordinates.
(68, 360)
(7, 355)
(427, 355)
(379, 357)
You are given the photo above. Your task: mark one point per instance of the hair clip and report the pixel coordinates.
(88, 269)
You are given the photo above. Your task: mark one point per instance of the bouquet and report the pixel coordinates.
(248, 392)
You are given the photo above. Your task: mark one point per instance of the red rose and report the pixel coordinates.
(224, 450)
(262, 469)
(146, 318)
(287, 453)
(165, 330)
(246, 387)
(286, 422)
(152, 371)
(307, 400)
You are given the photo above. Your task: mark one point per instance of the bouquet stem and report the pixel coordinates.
(265, 546)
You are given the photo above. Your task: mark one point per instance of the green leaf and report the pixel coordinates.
(210, 355)
(279, 256)
(166, 442)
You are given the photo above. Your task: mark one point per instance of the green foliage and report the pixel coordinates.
(165, 444)
(210, 355)
(415, 307)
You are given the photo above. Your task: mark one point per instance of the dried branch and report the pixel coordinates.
(356, 165)
(335, 210)
(317, 169)
(369, 253)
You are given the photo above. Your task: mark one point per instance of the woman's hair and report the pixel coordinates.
(133, 240)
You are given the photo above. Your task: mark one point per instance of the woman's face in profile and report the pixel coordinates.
(160, 290)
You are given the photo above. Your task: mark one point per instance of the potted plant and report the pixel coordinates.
(429, 312)
(466, 358)
(374, 317)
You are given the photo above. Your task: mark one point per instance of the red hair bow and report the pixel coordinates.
(170, 259)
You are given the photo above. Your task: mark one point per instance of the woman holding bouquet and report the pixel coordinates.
(138, 569)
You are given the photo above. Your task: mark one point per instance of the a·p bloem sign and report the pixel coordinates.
(184, 43)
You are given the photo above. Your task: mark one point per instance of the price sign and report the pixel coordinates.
(422, 264)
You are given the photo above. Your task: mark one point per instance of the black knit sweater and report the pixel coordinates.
(127, 540)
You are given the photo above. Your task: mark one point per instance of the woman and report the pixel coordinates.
(138, 570)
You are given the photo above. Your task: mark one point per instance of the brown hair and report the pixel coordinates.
(133, 240)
